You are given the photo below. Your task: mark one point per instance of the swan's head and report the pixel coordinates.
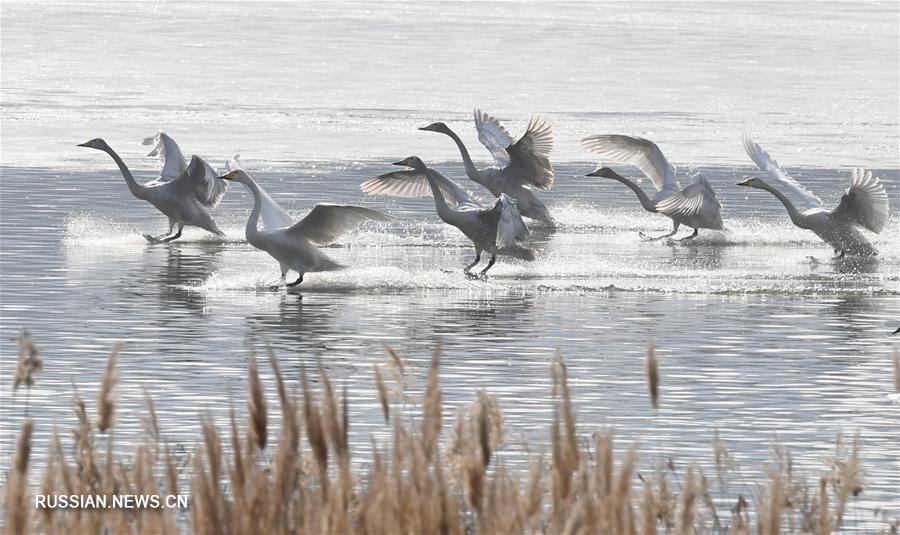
(752, 183)
(605, 172)
(413, 161)
(95, 143)
(436, 127)
(237, 175)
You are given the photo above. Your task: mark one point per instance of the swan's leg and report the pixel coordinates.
(296, 282)
(650, 238)
(161, 237)
(468, 268)
(174, 236)
(277, 285)
(691, 237)
(491, 263)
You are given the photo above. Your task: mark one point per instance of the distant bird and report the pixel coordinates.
(521, 166)
(294, 245)
(864, 204)
(497, 229)
(695, 206)
(184, 199)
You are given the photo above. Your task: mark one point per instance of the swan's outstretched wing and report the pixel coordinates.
(414, 183)
(697, 203)
(492, 135)
(326, 222)
(529, 157)
(201, 181)
(865, 203)
(165, 148)
(768, 164)
(211, 189)
(273, 217)
(511, 229)
(639, 152)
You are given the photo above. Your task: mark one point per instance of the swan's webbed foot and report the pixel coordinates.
(691, 237)
(278, 284)
(162, 238)
(172, 237)
(296, 282)
(654, 238)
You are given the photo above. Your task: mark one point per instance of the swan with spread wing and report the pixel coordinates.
(497, 229)
(695, 206)
(864, 204)
(522, 166)
(183, 193)
(293, 245)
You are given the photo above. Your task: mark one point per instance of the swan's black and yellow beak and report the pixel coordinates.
(228, 176)
(748, 182)
(85, 144)
(401, 162)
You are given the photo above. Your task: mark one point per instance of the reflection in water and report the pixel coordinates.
(706, 256)
(295, 322)
(186, 265)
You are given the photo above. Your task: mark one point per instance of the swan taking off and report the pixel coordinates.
(294, 245)
(695, 206)
(521, 166)
(497, 229)
(185, 199)
(864, 204)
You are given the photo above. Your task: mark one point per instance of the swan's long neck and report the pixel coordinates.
(648, 205)
(796, 217)
(252, 231)
(136, 189)
(440, 204)
(471, 170)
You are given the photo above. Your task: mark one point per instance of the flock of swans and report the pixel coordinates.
(186, 192)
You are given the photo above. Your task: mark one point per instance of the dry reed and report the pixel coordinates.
(105, 398)
(416, 483)
(652, 370)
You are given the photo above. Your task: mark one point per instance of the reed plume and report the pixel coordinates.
(106, 397)
(415, 482)
(652, 370)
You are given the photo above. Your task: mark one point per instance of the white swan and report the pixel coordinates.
(497, 229)
(864, 204)
(185, 199)
(695, 206)
(294, 245)
(521, 166)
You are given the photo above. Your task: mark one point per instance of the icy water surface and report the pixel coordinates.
(760, 334)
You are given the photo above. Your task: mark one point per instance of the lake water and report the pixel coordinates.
(760, 334)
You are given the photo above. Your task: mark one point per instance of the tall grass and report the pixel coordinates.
(303, 481)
